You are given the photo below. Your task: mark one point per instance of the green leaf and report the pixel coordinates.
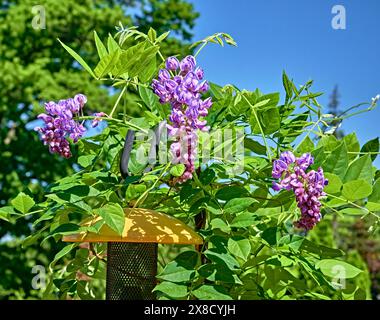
(360, 169)
(176, 274)
(371, 146)
(148, 97)
(213, 208)
(102, 51)
(129, 58)
(337, 161)
(187, 259)
(113, 215)
(152, 118)
(243, 220)
(271, 235)
(216, 272)
(328, 142)
(135, 59)
(78, 58)
(86, 160)
(296, 242)
(147, 56)
(321, 251)
(107, 63)
(148, 72)
(375, 195)
(23, 202)
(64, 251)
(112, 44)
(319, 157)
(218, 223)
(178, 170)
(207, 176)
(211, 292)
(222, 257)
(356, 190)
(172, 289)
(65, 229)
(352, 144)
(270, 121)
(287, 86)
(75, 195)
(181, 269)
(337, 269)
(317, 296)
(99, 176)
(4, 216)
(152, 34)
(273, 98)
(373, 206)
(134, 191)
(87, 147)
(162, 36)
(280, 260)
(230, 192)
(137, 161)
(261, 103)
(32, 239)
(238, 205)
(353, 211)
(5, 213)
(307, 145)
(239, 247)
(255, 146)
(96, 227)
(334, 185)
(216, 90)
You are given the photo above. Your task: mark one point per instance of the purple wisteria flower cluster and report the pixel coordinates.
(59, 124)
(181, 84)
(307, 186)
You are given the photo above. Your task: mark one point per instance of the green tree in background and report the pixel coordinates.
(35, 69)
(333, 108)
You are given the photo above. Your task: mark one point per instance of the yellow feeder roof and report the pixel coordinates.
(141, 225)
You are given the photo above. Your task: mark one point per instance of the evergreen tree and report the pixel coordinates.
(333, 108)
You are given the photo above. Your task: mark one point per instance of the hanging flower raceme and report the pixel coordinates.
(307, 186)
(181, 84)
(59, 124)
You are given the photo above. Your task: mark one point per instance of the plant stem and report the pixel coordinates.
(308, 133)
(351, 108)
(200, 49)
(259, 124)
(117, 101)
(355, 205)
(360, 152)
(127, 123)
(145, 194)
(22, 215)
(348, 201)
(259, 249)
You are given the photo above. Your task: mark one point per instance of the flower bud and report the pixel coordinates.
(172, 63)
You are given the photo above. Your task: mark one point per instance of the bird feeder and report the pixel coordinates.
(132, 256)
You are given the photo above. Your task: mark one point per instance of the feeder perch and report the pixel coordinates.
(132, 256)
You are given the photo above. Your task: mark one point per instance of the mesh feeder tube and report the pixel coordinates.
(132, 256)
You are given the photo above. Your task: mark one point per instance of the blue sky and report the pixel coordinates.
(297, 36)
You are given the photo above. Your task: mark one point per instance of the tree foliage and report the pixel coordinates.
(35, 68)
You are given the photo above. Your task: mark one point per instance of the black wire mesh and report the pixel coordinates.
(131, 271)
